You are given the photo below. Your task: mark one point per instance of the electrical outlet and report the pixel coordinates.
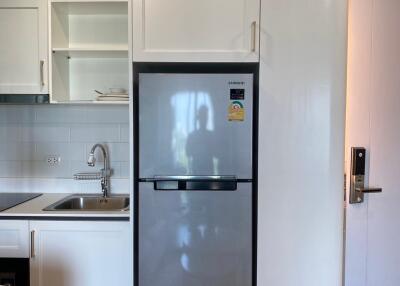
(53, 160)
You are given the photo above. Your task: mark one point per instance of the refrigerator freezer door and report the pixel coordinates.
(190, 238)
(195, 124)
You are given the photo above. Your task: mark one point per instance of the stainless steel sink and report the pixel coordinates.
(90, 203)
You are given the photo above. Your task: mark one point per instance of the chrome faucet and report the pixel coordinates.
(103, 175)
(105, 172)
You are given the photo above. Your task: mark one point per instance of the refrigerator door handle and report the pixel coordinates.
(196, 178)
(195, 183)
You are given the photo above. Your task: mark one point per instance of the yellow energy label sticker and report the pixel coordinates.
(236, 111)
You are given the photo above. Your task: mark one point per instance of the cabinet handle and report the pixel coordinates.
(33, 254)
(41, 73)
(253, 36)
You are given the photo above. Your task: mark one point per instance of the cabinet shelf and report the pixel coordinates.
(94, 52)
(84, 102)
(93, 49)
(88, 1)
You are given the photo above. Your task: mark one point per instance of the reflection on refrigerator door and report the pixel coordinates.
(189, 238)
(185, 127)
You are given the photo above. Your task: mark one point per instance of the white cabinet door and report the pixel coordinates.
(23, 48)
(72, 253)
(196, 30)
(301, 142)
(14, 239)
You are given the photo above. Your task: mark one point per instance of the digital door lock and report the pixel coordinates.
(357, 188)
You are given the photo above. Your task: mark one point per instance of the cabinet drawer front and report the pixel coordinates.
(14, 239)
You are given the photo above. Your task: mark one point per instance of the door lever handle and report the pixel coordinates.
(369, 190)
(357, 181)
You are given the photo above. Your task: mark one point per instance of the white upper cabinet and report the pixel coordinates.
(23, 48)
(196, 30)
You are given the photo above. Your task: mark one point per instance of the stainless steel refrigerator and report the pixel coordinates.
(195, 169)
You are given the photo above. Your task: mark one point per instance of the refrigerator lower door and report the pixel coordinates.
(195, 238)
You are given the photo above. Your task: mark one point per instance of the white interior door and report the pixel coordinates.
(373, 120)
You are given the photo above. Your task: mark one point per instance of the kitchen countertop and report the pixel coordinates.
(33, 209)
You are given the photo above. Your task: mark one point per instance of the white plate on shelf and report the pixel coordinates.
(117, 90)
(112, 98)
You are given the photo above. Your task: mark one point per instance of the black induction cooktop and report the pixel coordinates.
(9, 200)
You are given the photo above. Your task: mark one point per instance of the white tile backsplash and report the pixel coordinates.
(41, 169)
(17, 114)
(29, 134)
(106, 114)
(124, 134)
(61, 114)
(95, 132)
(65, 150)
(45, 133)
(16, 151)
(10, 169)
(125, 169)
(10, 132)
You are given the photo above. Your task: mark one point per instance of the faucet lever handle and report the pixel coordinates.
(107, 172)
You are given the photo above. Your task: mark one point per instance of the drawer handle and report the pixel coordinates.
(42, 73)
(33, 254)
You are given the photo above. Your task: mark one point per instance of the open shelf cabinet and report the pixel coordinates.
(89, 48)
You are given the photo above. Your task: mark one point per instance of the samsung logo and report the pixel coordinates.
(237, 82)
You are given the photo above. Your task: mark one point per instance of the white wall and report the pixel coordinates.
(302, 104)
(28, 134)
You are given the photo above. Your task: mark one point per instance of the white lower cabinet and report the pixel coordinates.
(14, 239)
(74, 253)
